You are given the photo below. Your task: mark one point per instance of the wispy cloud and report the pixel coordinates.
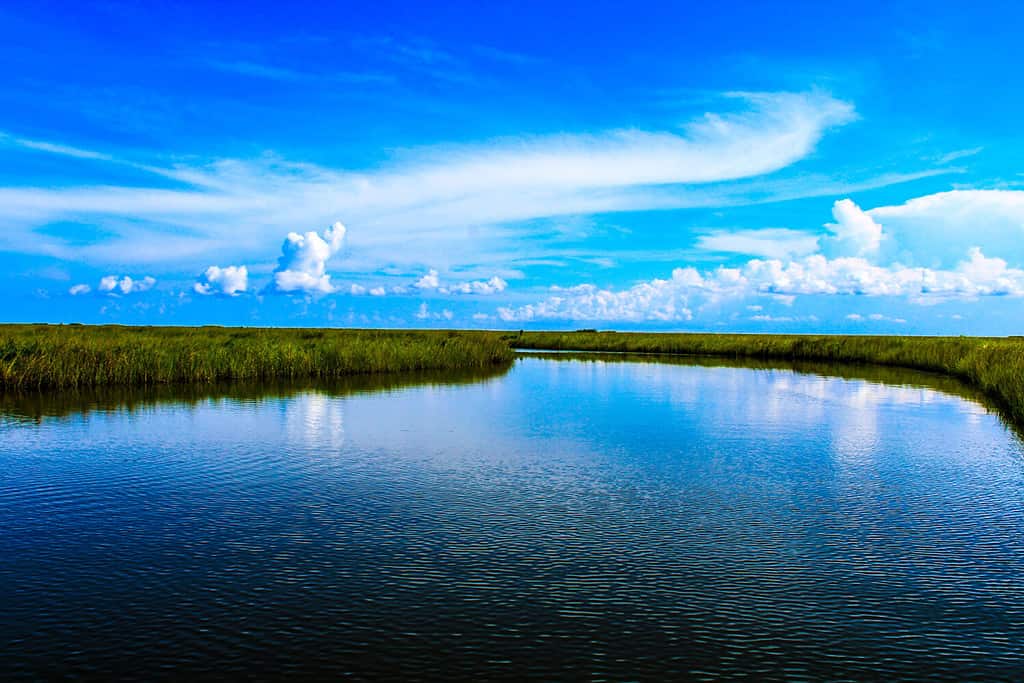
(288, 75)
(874, 317)
(52, 148)
(959, 154)
(766, 242)
(436, 195)
(506, 56)
(418, 55)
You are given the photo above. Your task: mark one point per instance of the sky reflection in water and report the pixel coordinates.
(567, 517)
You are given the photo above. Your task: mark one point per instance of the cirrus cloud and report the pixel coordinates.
(426, 196)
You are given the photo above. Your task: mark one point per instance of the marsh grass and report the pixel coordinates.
(36, 357)
(994, 366)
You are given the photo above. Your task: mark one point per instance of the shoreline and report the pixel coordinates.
(53, 357)
(994, 366)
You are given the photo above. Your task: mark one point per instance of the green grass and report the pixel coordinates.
(994, 366)
(34, 357)
(76, 356)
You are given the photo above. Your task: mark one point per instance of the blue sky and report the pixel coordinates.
(826, 168)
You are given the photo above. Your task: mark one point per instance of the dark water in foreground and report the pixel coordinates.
(568, 519)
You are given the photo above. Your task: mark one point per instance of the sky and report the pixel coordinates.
(827, 167)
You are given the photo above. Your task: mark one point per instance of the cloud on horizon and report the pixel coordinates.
(676, 298)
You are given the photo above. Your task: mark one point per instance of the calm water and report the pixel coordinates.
(567, 519)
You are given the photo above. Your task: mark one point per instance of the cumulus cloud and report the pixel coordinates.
(79, 289)
(428, 281)
(372, 291)
(674, 298)
(494, 285)
(855, 232)
(432, 282)
(229, 281)
(936, 229)
(302, 266)
(116, 284)
(658, 299)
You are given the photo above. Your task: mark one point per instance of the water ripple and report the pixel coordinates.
(602, 521)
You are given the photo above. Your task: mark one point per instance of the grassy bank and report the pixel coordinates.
(36, 357)
(994, 366)
(75, 356)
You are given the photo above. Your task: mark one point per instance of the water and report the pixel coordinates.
(569, 518)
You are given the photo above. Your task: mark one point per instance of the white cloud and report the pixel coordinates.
(874, 317)
(428, 281)
(372, 291)
(424, 313)
(494, 285)
(229, 281)
(79, 289)
(432, 282)
(114, 284)
(769, 242)
(663, 300)
(53, 148)
(431, 196)
(303, 262)
(959, 154)
(936, 229)
(674, 298)
(854, 230)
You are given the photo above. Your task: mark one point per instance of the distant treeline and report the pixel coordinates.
(993, 365)
(77, 356)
